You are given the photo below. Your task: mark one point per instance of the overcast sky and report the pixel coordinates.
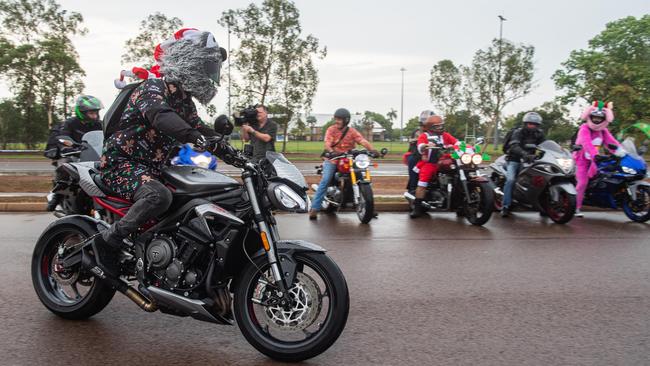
(369, 41)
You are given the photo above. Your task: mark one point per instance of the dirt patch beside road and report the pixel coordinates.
(25, 183)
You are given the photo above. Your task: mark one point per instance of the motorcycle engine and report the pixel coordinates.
(172, 263)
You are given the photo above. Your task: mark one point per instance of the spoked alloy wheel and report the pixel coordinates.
(306, 326)
(480, 211)
(68, 292)
(639, 209)
(561, 211)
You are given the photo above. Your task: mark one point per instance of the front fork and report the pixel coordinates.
(267, 235)
(355, 183)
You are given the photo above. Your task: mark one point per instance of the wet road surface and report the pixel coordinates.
(520, 291)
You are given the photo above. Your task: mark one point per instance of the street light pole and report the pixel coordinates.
(229, 77)
(498, 106)
(401, 110)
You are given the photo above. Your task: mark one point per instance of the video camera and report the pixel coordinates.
(246, 115)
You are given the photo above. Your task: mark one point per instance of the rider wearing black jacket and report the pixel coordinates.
(159, 114)
(86, 119)
(529, 134)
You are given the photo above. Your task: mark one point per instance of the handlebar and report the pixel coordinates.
(354, 153)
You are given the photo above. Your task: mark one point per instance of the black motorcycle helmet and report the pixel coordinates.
(222, 125)
(343, 114)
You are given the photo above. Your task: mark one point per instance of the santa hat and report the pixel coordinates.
(192, 34)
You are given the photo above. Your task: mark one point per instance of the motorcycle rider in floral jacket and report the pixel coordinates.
(159, 114)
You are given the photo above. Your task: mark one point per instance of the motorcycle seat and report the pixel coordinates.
(104, 188)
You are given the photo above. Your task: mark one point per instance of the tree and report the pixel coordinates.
(556, 124)
(460, 122)
(299, 129)
(412, 125)
(379, 118)
(391, 115)
(327, 125)
(445, 86)
(156, 28)
(39, 61)
(274, 60)
(487, 91)
(311, 122)
(10, 123)
(615, 67)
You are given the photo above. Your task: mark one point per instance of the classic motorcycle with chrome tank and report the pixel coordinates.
(459, 185)
(546, 184)
(351, 183)
(215, 256)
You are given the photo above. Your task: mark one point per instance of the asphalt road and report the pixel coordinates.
(436, 291)
(43, 167)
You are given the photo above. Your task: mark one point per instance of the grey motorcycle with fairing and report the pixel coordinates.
(545, 185)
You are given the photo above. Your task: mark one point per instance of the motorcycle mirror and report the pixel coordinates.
(222, 125)
(383, 151)
(576, 147)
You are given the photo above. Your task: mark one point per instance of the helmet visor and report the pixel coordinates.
(597, 119)
(213, 70)
(438, 127)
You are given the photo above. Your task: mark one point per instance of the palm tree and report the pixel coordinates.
(391, 115)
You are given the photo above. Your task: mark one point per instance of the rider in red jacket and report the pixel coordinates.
(434, 134)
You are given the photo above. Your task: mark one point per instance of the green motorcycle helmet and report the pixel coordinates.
(86, 103)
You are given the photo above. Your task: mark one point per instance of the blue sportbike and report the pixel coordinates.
(620, 183)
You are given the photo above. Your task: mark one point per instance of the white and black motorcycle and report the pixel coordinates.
(546, 184)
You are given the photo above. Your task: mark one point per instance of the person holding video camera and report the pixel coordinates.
(260, 134)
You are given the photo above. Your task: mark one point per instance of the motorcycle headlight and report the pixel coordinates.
(477, 159)
(286, 199)
(565, 164)
(201, 161)
(627, 170)
(466, 159)
(362, 161)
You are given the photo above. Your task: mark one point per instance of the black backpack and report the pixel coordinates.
(506, 141)
(114, 113)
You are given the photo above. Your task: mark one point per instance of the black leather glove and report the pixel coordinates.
(530, 158)
(374, 153)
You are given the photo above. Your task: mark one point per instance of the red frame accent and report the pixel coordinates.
(118, 211)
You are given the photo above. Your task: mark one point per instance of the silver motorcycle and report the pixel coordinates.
(545, 185)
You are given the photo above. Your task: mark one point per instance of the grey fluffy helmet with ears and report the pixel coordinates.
(194, 64)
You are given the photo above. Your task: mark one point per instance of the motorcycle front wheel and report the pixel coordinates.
(561, 211)
(366, 206)
(306, 327)
(480, 211)
(639, 209)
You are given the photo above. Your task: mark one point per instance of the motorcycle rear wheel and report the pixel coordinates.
(68, 293)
